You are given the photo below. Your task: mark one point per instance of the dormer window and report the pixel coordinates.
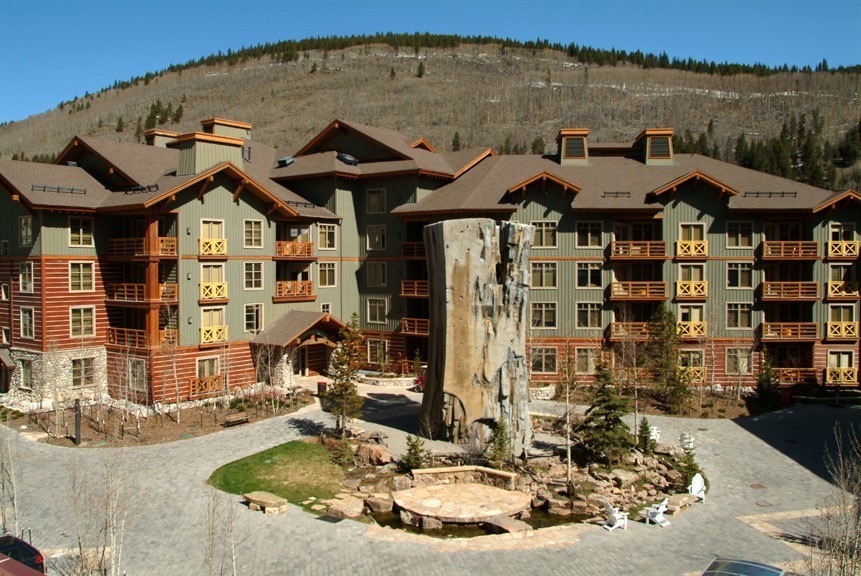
(575, 147)
(654, 146)
(572, 146)
(659, 147)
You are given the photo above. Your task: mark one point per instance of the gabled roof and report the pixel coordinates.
(289, 329)
(695, 175)
(140, 164)
(47, 186)
(837, 198)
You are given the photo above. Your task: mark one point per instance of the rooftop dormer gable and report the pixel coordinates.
(655, 146)
(573, 148)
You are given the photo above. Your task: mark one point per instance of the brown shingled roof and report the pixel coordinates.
(142, 164)
(52, 186)
(290, 327)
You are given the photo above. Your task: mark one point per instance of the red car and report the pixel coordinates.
(421, 378)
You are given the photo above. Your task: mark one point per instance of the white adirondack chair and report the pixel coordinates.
(615, 518)
(654, 434)
(698, 487)
(655, 513)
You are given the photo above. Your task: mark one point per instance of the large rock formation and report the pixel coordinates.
(479, 278)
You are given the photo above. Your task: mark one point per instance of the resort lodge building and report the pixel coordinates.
(204, 261)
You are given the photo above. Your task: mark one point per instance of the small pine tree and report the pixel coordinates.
(500, 444)
(538, 145)
(177, 116)
(421, 70)
(313, 67)
(417, 363)
(767, 382)
(455, 142)
(341, 397)
(662, 349)
(392, 73)
(139, 129)
(605, 435)
(121, 126)
(416, 454)
(644, 436)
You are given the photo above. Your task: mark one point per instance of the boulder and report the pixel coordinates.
(622, 478)
(377, 504)
(429, 523)
(352, 483)
(559, 511)
(375, 454)
(410, 519)
(401, 483)
(348, 507)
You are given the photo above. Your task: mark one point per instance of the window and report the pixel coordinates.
(81, 277)
(691, 232)
(4, 335)
(80, 231)
(212, 229)
(841, 359)
(4, 292)
(545, 235)
(588, 274)
(840, 273)
(254, 275)
(376, 311)
(588, 234)
(27, 322)
(212, 317)
(376, 201)
(542, 360)
(841, 313)
(207, 368)
(137, 374)
(691, 358)
(544, 314)
(738, 315)
(326, 307)
(83, 372)
(253, 233)
(588, 314)
(376, 237)
(25, 276)
(326, 237)
(659, 147)
(691, 313)
(691, 272)
(378, 352)
(584, 361)
(26, 374)
(739, 275)
(842, 232)
(376, 274)
(25, 231)
(82, 322)
(738, 361)
(544, 274)
(253, 318)
(575, 148)
(326, 273)
(739, 234)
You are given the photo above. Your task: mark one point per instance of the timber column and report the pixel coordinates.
(152, 290)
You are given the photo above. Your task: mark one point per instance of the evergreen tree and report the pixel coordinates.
(392, 73)
(644, 436)
(662, 348)
(139, 129)
(767, 383)
(538, 145)
(177, 116)
(341, 396)
(741, 150)
(421, 71)
(500, 444)
(416, 454)
(455, 142)
(605, 435)
(121, 126)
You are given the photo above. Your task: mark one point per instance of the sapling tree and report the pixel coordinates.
(341, 396)
(605, 435)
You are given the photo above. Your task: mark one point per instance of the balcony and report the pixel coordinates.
(694, 374)
(692, 249)
(294, 250)
(790, 331)
(413, 250)
(790, 291)
(692, 290)
(415, 289)
(843, 291)
(205, 387)
(629, 330)
(137, 247)
(213, 334)
(843, 250)
(638, 291)
(213, 247)
(415, 326)
(841, 330)
(841, 376)
(294, 291)
(137, 292)
(638, 250)
(131, 338)
(692, 329)
(796, 375)
(793, 250)
(213, 291)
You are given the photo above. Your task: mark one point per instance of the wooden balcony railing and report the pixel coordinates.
(415, 289)
(790, 330)
(413, 250)
(638, 250)
(131, 338)
(841, 376)
(692, 329)
(287, 249)
(213, 290)
(843, 249)
(168, 291)
(796, 375)
(692, 249)
(137, 247)
(213, 334)
(638, 291)
(629, 330)
(692, 290)
(294, 289)
(205, 387)
(168, 336)
(137, 292)
(415, 326)
(777, 250)
(213, 246)
(790, 290)
(848, 290)
(842, 330)
(694, 374)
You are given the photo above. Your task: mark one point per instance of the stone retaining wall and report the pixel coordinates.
(465, 475)
(399, 382)
(542, 392)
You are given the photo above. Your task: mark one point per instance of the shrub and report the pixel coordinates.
(644, 436)
(500, 444)
(416, 454)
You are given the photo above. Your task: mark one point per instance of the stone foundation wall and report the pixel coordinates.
(52, 374)
(465, 475)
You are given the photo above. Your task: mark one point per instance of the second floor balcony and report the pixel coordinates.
(415, 289)
(790, 250)
(213, 334)
(692, 249)
(415, 326)
(791, 376)
(695, 329)
(841, 376)
(638, 291)
(294, 291)
(213, 247)
(843, 250)
(213, 291)
(629, 330)
(790, 291)
(136, 292)
(842, 290)
(841, 330)
(692, 290)
(294, 250)
(790, 331)
(166, 246)
(132, 338)
(638, 250)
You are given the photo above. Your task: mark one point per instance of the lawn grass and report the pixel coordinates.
(296, 471)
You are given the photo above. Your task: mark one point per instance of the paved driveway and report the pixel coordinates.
(769, 466)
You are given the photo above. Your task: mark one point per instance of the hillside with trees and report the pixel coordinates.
(469, 91)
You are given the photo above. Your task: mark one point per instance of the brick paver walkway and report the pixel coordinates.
(769, 466)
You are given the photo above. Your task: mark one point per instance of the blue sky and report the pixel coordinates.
(53, 51)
